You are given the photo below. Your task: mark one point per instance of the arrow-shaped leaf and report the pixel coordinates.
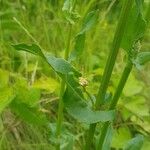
(73, 98)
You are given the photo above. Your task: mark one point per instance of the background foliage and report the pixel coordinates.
(29, 88)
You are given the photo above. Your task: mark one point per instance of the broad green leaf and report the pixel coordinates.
(142, 58)
(59, 65)
(29, 114)
(34, 49)
(77, 107)
(135, 28)
(135, 143)
(6, 96)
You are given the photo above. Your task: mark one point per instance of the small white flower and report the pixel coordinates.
(83, 81)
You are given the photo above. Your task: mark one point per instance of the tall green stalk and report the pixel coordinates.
(62, 90)
(114, 51)
(110, 64)
(118, 92)
(114, 101)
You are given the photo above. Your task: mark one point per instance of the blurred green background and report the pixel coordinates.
(37, 86)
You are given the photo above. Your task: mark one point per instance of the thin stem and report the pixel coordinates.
(114, 101)
(114, 51)
(60, 114)
(110, 63)
(62, 90)
(90, 136)
(27, 32)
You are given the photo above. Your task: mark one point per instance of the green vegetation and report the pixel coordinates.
(74, 75)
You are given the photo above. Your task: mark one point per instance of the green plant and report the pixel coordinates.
(110, 63)
(73, 94)
(136, 29)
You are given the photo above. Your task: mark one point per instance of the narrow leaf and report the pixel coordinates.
(34, 49)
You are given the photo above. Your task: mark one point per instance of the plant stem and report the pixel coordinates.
(118, 92)
(110, 64)
(114, 101)
(90, 136)
(114, 51)
(62, 90)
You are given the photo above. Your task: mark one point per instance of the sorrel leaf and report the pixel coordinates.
(76, 106)
(34, 49)
(60, 65)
